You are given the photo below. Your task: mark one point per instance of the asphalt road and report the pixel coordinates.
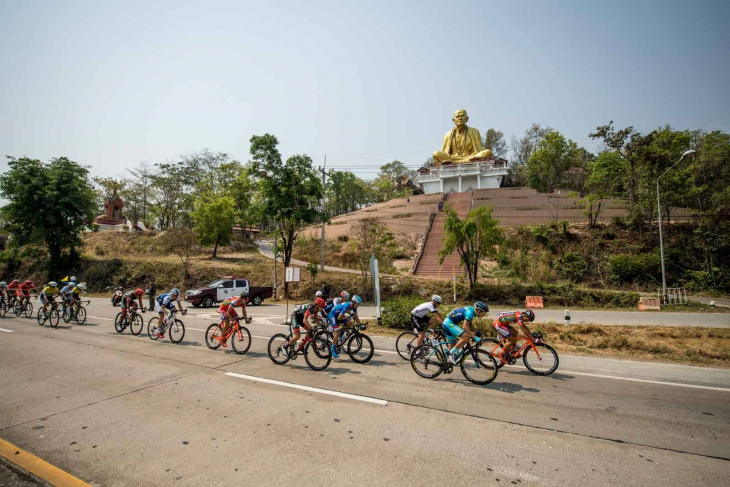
(122, 410)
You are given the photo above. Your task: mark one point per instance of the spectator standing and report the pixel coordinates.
(151, 292)
(325, 291)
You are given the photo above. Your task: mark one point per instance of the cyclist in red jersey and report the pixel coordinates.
(502, 323)
(12, 289)
(228, 313)
(24, 290)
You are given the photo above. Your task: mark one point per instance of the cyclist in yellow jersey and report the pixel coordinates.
(48, 294)
(75, 294)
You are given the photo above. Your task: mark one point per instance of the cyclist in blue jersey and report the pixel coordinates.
(342, 314)
(453, 330)
(164, 302)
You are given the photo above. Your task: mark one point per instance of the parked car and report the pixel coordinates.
(218, 291)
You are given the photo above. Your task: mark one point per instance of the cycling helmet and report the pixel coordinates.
(320, 302)
(28, 282)
(52, 284)
(71, 285)
(175, 291)
(3, 284)
(481, 306)
(72, 279)
(82, 286)
(437, 299)
(15, 281)
(139, 292)
(357, 299)
(318, 294)
(244, 294)
(345, 295)
(529, 314)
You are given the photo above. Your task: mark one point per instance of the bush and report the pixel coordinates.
(573, 266)
(397, 312)
(642, 268)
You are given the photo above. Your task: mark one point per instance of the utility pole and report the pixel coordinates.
(324, 173)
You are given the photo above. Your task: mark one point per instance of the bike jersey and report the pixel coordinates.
(332, 304)
(49, 291)
(166, 300)
(129, 295)
(458, 315)
(234, 301)
(507, 317)
(26, 287)
(346, 308)
(423, 310)
(76, 291)
(66, 290)
(12, 286)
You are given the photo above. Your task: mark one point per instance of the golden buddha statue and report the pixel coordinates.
(461, 144)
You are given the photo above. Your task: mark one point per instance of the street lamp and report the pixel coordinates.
(689, 153)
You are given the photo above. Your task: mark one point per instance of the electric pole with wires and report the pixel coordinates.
(324, 220)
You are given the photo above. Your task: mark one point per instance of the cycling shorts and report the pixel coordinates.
(420, 324)
(451, 329)
(336, 324)
(503, 329)
(45, 299)
(22, 294)
(297, 321)
(127, 303)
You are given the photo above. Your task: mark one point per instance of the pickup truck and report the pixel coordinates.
(218, 291)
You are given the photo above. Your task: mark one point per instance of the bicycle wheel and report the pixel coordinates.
(28, 309)
(41, 317)
(317, 354)
(3, 310)
(493, 347)
(67, 314)
(18, 308)
(118, 323)
(405, 343)
(54, 318)
(136, 325)
(545, 364)
(81, 315)
(177, 331)
(212, 335)
(427, 361)
(479, 367)
(241, 340)
(276, 349)
(360, 348)
(151, 325)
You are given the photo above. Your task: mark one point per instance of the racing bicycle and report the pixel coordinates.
(539, 358)
(23, 306)
(176, 327)
(133, 320)
(315, 347)
(358, 345)
(406, 341)
(53, 316)
(75, 311)
(477, 365)
(239, 335)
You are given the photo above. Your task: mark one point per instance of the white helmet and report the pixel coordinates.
(437, 299)
(3, 284)
(318, 294)
(82, 286)
(52, 284)
(71, 285)
(72, 279)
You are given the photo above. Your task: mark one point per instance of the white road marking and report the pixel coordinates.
(100, 318)
(7, 331)
(647, 381)
(372, 400)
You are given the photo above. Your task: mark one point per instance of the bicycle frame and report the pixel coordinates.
(517, 350)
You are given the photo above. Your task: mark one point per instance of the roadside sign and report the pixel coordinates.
(376, 282)
(292, 274)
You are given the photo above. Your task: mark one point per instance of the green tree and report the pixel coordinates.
(553, 157)
(606, 174)
(494, 140)
(390, 181)
(371, 237)
(49, 204)
(522, 149)
(474, 238)
(214, 216)
(291, 191)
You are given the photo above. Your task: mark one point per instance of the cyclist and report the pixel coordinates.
(336, 301)
(66, 294)
(421, 316)
(4, 293)
(12, 289)
(343, 313)
(166, 302)
(228, 313)
(75, 295)
(301, 317)
(48, 294)
(23, 292)
(453, 330)
(128, 302)
(502, 323)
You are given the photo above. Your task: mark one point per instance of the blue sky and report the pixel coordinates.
(112, 84)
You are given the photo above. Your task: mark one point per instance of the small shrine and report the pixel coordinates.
(113, 205)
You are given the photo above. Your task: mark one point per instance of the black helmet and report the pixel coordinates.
(529, 314)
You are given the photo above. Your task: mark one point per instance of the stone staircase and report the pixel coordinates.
(429, 266)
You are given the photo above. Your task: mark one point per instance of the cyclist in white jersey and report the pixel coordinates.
(421, 317)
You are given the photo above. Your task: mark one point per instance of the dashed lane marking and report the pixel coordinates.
(100, 318)
(372, 400)
(7, 331)
(647, 381)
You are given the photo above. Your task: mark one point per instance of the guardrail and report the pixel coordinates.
(423, 243)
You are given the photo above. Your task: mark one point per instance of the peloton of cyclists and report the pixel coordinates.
(228, 313)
